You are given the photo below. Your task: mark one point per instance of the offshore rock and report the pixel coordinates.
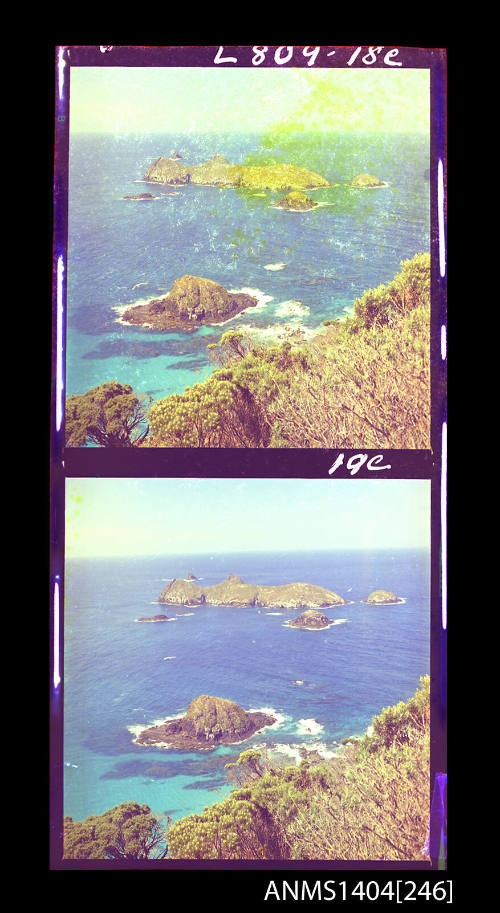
(191, 302)
(154, 618)
(140, 196)
(234, 592)
(382, 597)
(296, 202)
(367, 180)
(311, 619)
(209, 722)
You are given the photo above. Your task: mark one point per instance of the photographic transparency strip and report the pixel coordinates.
(249, 465)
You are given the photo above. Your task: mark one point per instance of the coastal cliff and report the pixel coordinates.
(234, 592)
(192, 301)
(208, 722)
(219, 172)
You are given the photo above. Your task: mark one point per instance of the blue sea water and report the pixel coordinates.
(305, 267)
(323, 686)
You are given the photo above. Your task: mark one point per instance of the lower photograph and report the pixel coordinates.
(245, 671)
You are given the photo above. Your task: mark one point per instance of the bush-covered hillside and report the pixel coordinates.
(372, 802)
(364, 381)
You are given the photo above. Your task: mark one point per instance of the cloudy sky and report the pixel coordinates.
(176, 99)
(176, 516)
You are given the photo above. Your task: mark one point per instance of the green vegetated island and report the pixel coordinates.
(369, 802)
(235, 592)
(361, 380)
(218, 172)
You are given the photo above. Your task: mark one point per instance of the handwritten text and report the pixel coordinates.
(310, 55)
(356, 461)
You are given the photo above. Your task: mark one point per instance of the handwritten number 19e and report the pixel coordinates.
(356, 461)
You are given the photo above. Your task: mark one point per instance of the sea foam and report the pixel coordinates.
(291, 308)
(309, 727)
(270, 711)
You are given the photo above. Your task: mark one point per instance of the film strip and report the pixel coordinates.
(249, 359)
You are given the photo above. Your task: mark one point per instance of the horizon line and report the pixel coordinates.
(247, 551)
(256, 130)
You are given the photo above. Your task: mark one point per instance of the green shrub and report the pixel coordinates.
(110, 415)
(408, 290)
(128, 831)
(230, 408)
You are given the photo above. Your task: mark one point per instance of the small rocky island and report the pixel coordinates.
(382, 597)
(366, 181)
(218, 172)
(191, 302)
(311, 620)
(140, 196)
(234, 592)
(296, 201)
(208, 722)
(155, 618)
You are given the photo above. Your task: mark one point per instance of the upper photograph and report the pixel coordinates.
(248, 258)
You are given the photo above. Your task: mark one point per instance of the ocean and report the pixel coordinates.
(303, 267)
(121, 676)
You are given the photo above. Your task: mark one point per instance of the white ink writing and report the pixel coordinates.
(285, 52)
(356, 461)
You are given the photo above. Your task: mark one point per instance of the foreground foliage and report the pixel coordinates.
(128, 832)
(367, 388)
(370, 803)
(364, 381)
(231, 408)
(110, 415)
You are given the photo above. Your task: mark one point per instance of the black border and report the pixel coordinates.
(228, 463)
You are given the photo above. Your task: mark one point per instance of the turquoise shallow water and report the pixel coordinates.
(322, 686)
(122, 252)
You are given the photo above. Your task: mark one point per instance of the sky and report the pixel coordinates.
(113, 517)
(176, 99)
